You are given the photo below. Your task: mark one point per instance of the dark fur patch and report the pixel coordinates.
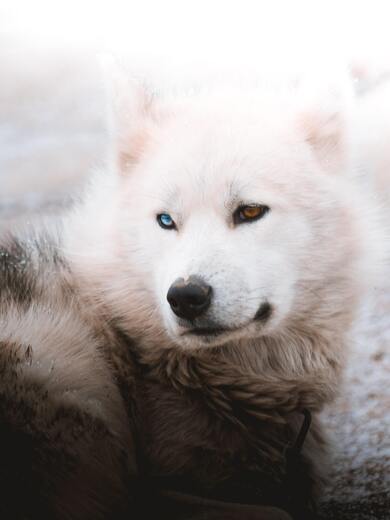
(25, 267)
(17, 280)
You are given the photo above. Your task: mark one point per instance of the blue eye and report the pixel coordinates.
(166, 221)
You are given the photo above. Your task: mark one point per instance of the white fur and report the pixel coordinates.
(315, 256)
(197, 158)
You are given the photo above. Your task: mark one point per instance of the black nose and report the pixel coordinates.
(189, 299)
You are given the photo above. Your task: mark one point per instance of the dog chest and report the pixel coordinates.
(179, 435)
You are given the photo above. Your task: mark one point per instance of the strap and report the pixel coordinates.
(301, 437)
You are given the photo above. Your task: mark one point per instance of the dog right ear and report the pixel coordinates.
(131, 114)
(325, 120)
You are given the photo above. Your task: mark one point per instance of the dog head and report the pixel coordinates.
(233, 214)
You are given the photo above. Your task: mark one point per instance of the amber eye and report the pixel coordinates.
(249, 213)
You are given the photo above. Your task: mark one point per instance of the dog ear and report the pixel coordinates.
(131, 113)
(324, 119)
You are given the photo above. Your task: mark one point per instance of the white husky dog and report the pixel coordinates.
(229, 240)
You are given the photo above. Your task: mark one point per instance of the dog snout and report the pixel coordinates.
(189, 299)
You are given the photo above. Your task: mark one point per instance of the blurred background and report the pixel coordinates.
(52, 134)
(51, 101)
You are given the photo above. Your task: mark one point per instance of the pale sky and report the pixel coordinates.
(229, 31)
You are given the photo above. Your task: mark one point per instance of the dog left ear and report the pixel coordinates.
(132, 114)
(325, 125)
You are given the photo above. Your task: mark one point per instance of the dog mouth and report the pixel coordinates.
(263, 314)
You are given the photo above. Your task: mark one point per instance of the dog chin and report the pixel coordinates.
(202, 338)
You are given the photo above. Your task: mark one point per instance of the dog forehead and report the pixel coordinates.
(217, 157)
(214, 150)
(227, 171)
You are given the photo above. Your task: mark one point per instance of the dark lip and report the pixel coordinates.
(263, 312)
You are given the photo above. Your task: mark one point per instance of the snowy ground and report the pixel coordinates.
(52, 134)
(360, 424)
